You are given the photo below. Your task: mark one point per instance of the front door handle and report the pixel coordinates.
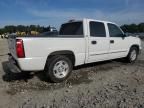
(93, 42)
(111, 41)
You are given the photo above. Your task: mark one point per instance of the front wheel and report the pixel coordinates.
(132, 56)
(58, 68)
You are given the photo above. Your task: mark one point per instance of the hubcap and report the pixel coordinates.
(133, 55)
(61, 69)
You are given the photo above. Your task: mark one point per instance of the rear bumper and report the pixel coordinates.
(13, 65)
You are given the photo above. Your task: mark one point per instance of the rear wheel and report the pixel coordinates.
(58, 68)
(132, 56)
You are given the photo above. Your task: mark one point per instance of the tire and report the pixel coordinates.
(132, 55)
(58, 68)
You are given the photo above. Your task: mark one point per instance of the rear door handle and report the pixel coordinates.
(93, 42)
(111, 41)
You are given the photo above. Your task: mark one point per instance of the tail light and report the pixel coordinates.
(20, 48)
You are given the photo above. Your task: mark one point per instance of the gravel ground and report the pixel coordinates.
(110, 84)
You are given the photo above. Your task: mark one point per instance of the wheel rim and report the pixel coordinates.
(133, 55)
(61, 69)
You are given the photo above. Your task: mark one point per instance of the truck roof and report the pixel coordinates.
(76, 20)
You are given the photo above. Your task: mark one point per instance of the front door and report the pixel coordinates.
(118, 43)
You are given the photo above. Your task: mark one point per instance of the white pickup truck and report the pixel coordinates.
(78, 42)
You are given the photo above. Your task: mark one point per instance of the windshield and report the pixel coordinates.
(74, 28)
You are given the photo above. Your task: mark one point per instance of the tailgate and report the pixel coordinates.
(12, 45)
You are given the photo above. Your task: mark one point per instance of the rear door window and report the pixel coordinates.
(97, 29)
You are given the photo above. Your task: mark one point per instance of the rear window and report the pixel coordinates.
(74, 28)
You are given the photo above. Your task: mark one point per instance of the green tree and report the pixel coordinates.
(141, 27)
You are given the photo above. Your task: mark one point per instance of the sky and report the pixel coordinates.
(55, 12)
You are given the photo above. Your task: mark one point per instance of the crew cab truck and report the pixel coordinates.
(78, 42)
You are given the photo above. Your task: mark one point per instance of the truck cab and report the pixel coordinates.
(107, 41)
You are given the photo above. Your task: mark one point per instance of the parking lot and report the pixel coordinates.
(112, 84)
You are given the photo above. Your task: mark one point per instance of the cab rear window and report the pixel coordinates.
(74, 28)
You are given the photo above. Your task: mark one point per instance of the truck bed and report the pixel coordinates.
(37, 49)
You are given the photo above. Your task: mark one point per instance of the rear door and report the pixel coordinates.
(98, 42)
(118, 43)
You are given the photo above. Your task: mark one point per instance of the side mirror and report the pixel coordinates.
(123, 36)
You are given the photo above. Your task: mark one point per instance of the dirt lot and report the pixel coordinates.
(110, 84)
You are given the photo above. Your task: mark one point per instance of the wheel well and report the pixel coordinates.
(66, 53)
(136, 46)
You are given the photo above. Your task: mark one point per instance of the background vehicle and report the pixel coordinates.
(78, 42)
